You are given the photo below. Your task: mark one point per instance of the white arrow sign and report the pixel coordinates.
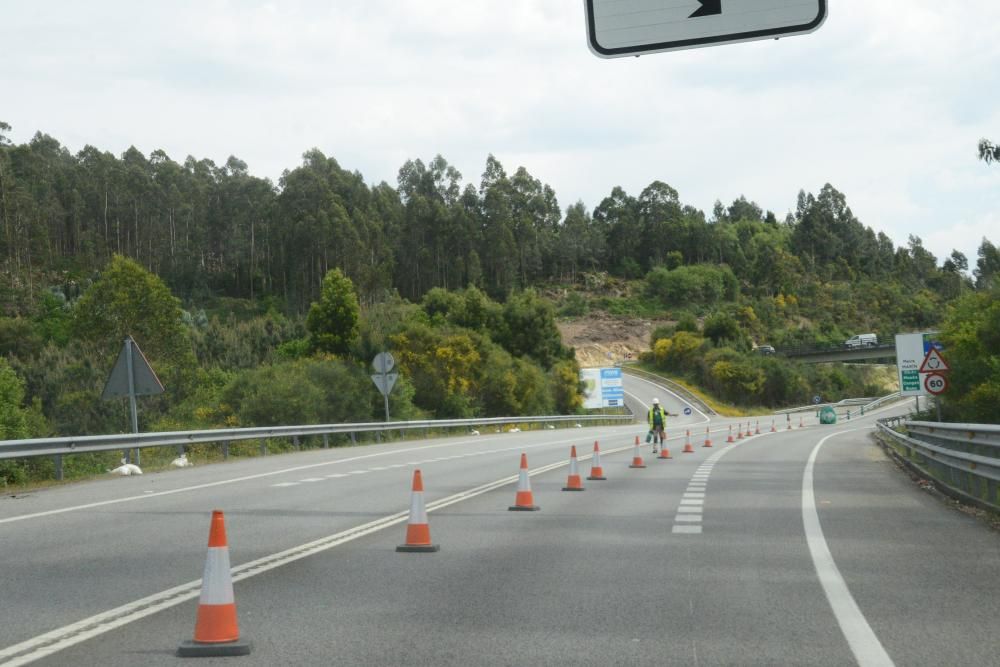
(618, 28)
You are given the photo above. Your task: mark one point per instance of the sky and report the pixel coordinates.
(886, 101)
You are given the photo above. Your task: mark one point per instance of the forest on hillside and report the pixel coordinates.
(217, 274)
(216, 230)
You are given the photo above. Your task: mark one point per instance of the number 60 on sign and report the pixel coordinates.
(935, 384)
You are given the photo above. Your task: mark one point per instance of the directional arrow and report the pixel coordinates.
(708, 8)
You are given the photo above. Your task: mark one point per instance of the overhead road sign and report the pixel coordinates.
(617, 28)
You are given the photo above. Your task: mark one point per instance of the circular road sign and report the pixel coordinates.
(817, 400)
(383, 362)
(935, 384)
(687, 411)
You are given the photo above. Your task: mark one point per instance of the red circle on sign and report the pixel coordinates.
(935, 384)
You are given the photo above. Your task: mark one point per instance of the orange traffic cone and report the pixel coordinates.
(418, 531)
(773, 430)
(756, 429)
(739, 431)
(637, 456)
(524, 501)
(749, 432)
(664, 453)
(789, 418)
(708, 438)
(688, 449)
(730, 438)
(573, 482)
(801, 425)
(596, 471)
(216, 632)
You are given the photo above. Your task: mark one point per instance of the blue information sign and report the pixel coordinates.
(687, 411)
(612, 390)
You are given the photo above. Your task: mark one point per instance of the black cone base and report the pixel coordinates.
(193, 649)
(418, 548)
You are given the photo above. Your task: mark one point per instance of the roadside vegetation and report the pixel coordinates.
(260, 303)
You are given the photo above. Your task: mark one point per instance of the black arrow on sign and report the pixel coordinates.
(708, 8)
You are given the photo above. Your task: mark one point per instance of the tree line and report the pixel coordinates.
(217, 230)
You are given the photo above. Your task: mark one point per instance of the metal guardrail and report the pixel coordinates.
(847, 402)
(678, 389)
(879, 402)
(964, 458)
(806, 350)
(58, 447)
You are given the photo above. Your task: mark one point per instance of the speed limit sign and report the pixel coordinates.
(935, 384)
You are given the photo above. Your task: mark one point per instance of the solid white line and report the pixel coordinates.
(867, 648)
(312, 479)
(279, 484)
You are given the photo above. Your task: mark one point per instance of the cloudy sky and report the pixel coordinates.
(887, 101)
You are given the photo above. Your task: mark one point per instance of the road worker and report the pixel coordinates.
(657, 418)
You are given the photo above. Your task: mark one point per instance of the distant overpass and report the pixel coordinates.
(829, 353)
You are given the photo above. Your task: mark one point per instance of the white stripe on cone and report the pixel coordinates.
(217, 582)
(523, 481)
(418, 514)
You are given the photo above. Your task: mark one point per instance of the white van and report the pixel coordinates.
(862, 340)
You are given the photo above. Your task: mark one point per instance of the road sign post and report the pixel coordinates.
(935, 382)
(132, 376)
(617, 28)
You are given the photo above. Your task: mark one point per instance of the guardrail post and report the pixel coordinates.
(263, 446)
(225, 449)
(59, 467)
(378, 437)
(354, 440)
(295, 442)
(326, 441)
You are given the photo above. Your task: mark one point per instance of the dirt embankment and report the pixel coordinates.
(598, 335)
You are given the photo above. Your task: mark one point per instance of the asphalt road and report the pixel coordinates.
(803, 546)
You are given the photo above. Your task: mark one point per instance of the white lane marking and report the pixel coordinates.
(691, 530)
(867, 648)
(358, 472)
(312, 479)
(689, 510)
(56, 640)
(693, 494)
(286, 484)
(336, 475)
(691, 501)
(689, 518)
(379, 468)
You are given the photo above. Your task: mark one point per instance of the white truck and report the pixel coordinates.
(862, 340)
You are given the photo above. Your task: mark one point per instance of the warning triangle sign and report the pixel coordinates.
(144, 380)
(934, 362)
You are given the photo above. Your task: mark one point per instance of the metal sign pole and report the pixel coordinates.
(131, 394)
(386, 394)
